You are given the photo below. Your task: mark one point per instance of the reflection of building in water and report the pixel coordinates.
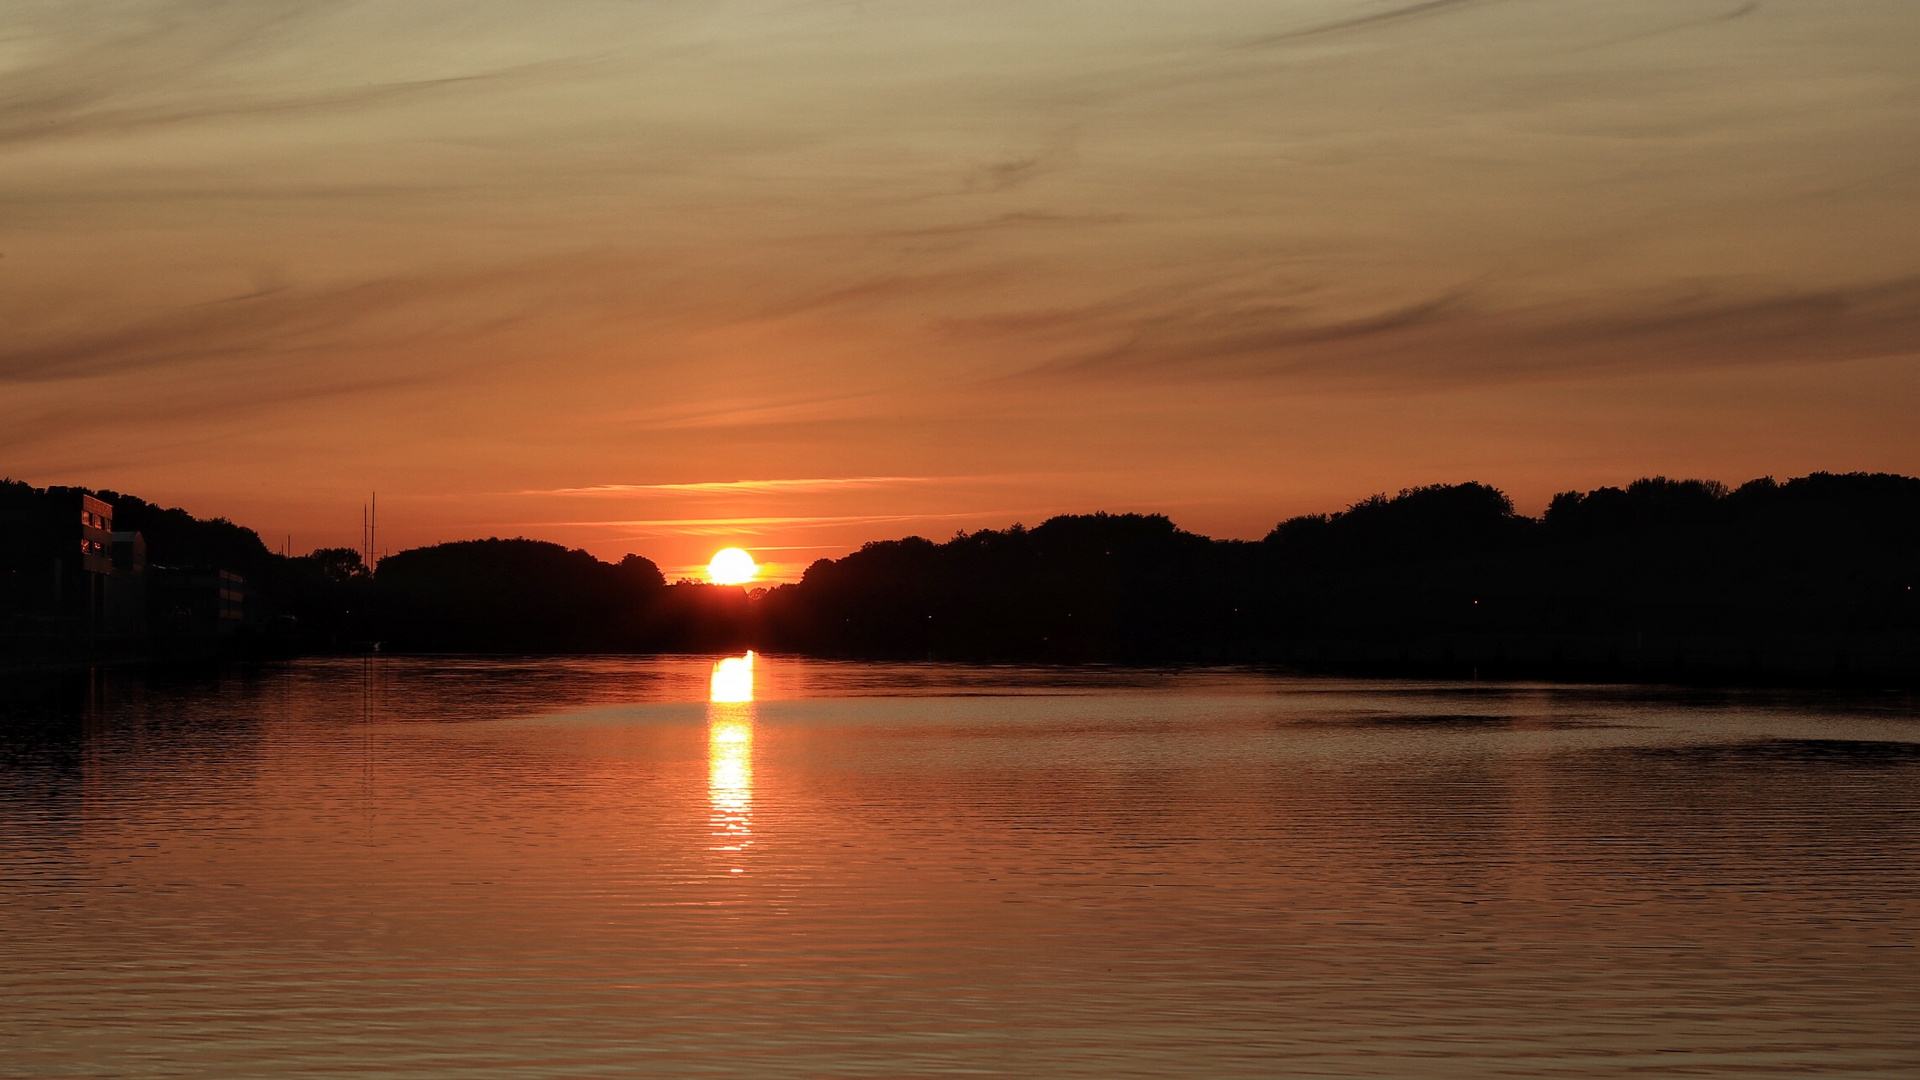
(730, 754)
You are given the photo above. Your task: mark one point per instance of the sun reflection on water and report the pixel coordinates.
(732, 680)
(730, 756)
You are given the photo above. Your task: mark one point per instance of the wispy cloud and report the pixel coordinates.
(719, 525)
(1464, 337)
(723, 487)
(1404, 13)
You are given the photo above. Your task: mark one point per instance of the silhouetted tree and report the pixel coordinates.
(1095, 586)
(1662, 572)
(177, 538)
(336, 565)
(514, 595)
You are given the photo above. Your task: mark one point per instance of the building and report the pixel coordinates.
(95, 563)
(195, 603)
(127, 585)
(56, 558)
(66, 574)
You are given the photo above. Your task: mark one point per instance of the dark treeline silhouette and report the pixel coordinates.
(1812, 578)
(1083, 587)
(532, 596)
(1663, 578)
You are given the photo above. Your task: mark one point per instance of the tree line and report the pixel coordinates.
(1660, 577)
(1815, 576)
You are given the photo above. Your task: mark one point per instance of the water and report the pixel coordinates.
(420, 868)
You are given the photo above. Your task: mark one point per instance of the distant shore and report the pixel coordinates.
(1703, 665)
(1810, 581)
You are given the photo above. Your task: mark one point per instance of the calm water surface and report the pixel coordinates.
(421, 868)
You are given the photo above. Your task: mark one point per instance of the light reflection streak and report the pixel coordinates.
(730, 756)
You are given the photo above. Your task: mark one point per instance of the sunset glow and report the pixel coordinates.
(908, 271)
(732, 566)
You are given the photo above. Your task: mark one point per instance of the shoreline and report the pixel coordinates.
(1328, 660)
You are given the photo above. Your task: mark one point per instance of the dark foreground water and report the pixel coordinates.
(586, 868)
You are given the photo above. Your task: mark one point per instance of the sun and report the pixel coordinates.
(732, 566)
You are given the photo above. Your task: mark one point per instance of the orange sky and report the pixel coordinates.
(666, 276)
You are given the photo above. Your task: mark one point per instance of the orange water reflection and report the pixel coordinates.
(502, 871)
(730, 756)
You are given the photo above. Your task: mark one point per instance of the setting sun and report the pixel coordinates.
(732, 566)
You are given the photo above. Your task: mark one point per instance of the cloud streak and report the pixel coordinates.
(752, 487)
(736, 526)
(1451, 340)
(1376, 20)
